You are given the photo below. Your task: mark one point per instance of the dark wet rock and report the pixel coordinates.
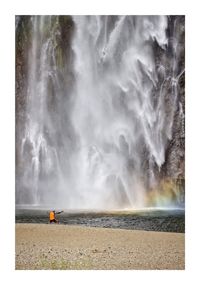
(155, 220)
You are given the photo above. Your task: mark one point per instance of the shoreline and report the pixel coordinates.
(154, 220)
(45, 246)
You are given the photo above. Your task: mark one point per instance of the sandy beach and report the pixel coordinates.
(42, 246)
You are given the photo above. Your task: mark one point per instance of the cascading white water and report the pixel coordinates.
(41, 67)
(117, 112)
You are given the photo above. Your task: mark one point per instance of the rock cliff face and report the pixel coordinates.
(172, 171)
(21, 52)
(175, 152)
(171, 176)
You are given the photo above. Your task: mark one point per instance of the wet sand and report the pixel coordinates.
(42, 246)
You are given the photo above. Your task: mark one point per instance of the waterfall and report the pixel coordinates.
(98, 118)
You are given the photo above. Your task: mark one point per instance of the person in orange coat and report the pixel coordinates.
(52, 216)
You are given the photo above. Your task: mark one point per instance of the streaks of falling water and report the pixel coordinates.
(116, 76)
(38, 119)
(117, 122)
